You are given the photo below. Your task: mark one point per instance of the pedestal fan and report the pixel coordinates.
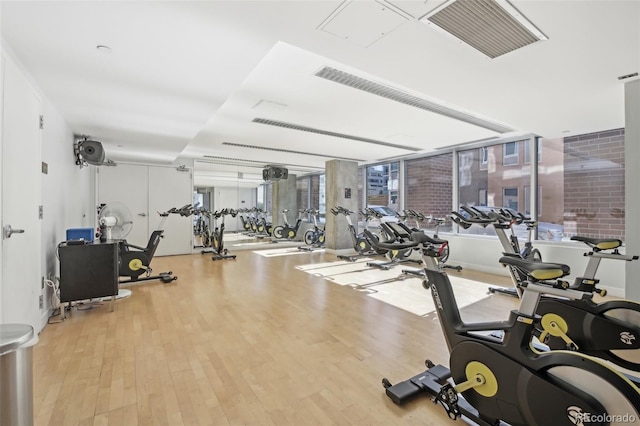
(115, 221)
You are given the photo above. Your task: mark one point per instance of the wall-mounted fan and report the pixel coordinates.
(115, 221)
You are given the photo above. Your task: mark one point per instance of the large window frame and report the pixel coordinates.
(510, 154)
(526, 153)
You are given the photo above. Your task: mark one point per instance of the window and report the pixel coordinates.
(510, 153)
(484, 158)
(263, 197)
(482, 197)
(583, 181)
(580, 183)
(382, 185)
(510, 198)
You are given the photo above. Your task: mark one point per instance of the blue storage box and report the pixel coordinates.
(85, 234)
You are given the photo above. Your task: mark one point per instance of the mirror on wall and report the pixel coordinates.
(219, 186)
(219, 189)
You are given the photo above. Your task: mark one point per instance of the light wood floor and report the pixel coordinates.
(252, 341)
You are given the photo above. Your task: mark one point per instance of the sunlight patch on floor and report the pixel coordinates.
(393, 287)
(285, 251)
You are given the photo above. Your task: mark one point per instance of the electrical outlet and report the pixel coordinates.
(41, 301)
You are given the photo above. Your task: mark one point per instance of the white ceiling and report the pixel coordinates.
(184, 77)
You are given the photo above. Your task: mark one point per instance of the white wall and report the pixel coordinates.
(67, 192)
(481, 253)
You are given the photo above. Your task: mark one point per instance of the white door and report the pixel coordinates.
(170, 187)
(128, 184)
(21, 195)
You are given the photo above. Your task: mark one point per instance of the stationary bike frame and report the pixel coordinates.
(287, 231)
(361, 243)
(498, 380)
(608, 330)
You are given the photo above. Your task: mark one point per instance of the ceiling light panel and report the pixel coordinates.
(347, 79)
(493, 27)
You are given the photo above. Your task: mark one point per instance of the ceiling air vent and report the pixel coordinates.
(360, 83)
(264, 148)
(494, 27)
(329, 133)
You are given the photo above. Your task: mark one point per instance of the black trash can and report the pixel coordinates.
(16, 374)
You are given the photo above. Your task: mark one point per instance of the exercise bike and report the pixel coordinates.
(506, 380)
(135, 261)
(361, 242)
(287, 231)
(314, 237)
(608, 330)
(398, 246)
(246, 224)
(217, 238)
(503, 220)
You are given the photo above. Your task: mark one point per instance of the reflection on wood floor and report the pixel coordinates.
(257, 340)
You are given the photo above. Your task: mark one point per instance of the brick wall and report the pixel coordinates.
(429, 185)
(594, 184)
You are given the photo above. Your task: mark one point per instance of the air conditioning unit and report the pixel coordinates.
(274, 173)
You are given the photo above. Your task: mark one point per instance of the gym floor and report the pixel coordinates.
(250, 341)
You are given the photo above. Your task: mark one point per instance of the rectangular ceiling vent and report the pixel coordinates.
(289, 151)
(240, 161)
(347, 79)
(494, 27)
(235, 160)
(329, 133)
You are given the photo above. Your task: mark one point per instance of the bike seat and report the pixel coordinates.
(599, 243)
(539, 271)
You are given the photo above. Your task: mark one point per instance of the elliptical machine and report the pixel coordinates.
(496, 380)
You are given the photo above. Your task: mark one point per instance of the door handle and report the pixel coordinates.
(7, 231)
(142, 214)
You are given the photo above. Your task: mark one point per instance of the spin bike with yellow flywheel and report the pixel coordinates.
(497, 376)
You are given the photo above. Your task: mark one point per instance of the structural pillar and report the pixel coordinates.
(341, 183)
(284, 196)
(632, 195)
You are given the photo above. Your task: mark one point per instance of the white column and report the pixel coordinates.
(632, 194)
